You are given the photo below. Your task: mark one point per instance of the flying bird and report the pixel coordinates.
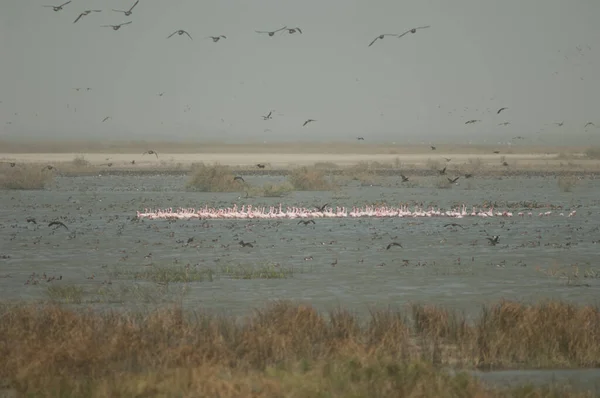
(241, 243)
(150, 152)
(500, 110)
(322, 208)
(268, 116)
(294, 30)
(453, 224)
(380, 37)
(238, 178)
(472, 121)
(504, 124)
(180, 32)
(518, 138)
(559, 124)
(59, 224)
(49, 167)
(260, 166)
(360, 138)
(60, 7)
(404, 178)
(128, 12)
(493, 240)
(452, 181)
(413, 30)
(116, 27)
(216, 38)
(31, 220)
(308, 121)
(105, 119)
(86, 12)
(442, 171)
(589, 124)
(271, 33)
(468, 175)
(432, 148)
(12, 164)
(393, 244)
(306, 222)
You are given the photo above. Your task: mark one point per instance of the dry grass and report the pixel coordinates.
(309, 179)
(270, 190)
(215, 178)
(592, 153)
(25, 177)
(286, 350)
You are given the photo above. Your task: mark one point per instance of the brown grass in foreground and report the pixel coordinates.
(25, 177)
(287, 350)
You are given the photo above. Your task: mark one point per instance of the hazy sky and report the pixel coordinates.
(539, 58)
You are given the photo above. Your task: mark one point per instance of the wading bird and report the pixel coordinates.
(60, 7)
(413, 30)
(306, 222)
(128, 12)
(308, 121)
(150, 152)
(86, 12)
(393, 244)
(216, 38)
(116, 27)
(380, 37)
(58, 223)
(271, 33)
(180, 32)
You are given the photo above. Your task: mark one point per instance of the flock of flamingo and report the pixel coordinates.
(277, 212)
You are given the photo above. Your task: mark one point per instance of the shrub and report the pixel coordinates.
(215, 178)
(308, 179)
(25, 177)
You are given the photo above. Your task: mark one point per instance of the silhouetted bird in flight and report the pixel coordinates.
(271, 33)
(294, 30)
(380, 37)
(453, 224)
(128, 12)
(58, 223)
(393, 244)
(216, 38)
(180, 32)
(116, 27)
(12, 164)
(241, 242)
(150, 152)
(413, 30)
(306, 222)
(432, 148)
(452, 181)
(86, 12)
(360, 138)
(308, 121)
(501, 109)
(49, 167)
(105, 119)
(442, 171)
(268, 116)
(60, 7)
(472, 121)
(504, 124)
(589, 124)
(238, 178)
(404, 178)
(493, 240)
(322, 208)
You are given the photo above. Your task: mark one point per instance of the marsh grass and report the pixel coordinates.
(166, 274)
(270, 190)
(25, 177)
(592, 153)
(71, 294)
(215, 178)
(287, 349)
(309, 179)
(566, 183)
(266, 271)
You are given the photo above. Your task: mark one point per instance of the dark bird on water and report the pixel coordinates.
(260, 166)
(308, 121)
(404, 178)
(60, 7)
(413, 30)
(453, 224)
(452, 181)
(393, 244)
(306, 222)
(180, 32)
(128, 12)
(216, 38)
(271, 33)
(116, 27)
(380, 37)
(493, 240)
(442, 171)
(501, 109)
(322, 208)
(472, 121)
(86, 12)
(150, 152)
(238, 178)
(58, 223)
(241, 242)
